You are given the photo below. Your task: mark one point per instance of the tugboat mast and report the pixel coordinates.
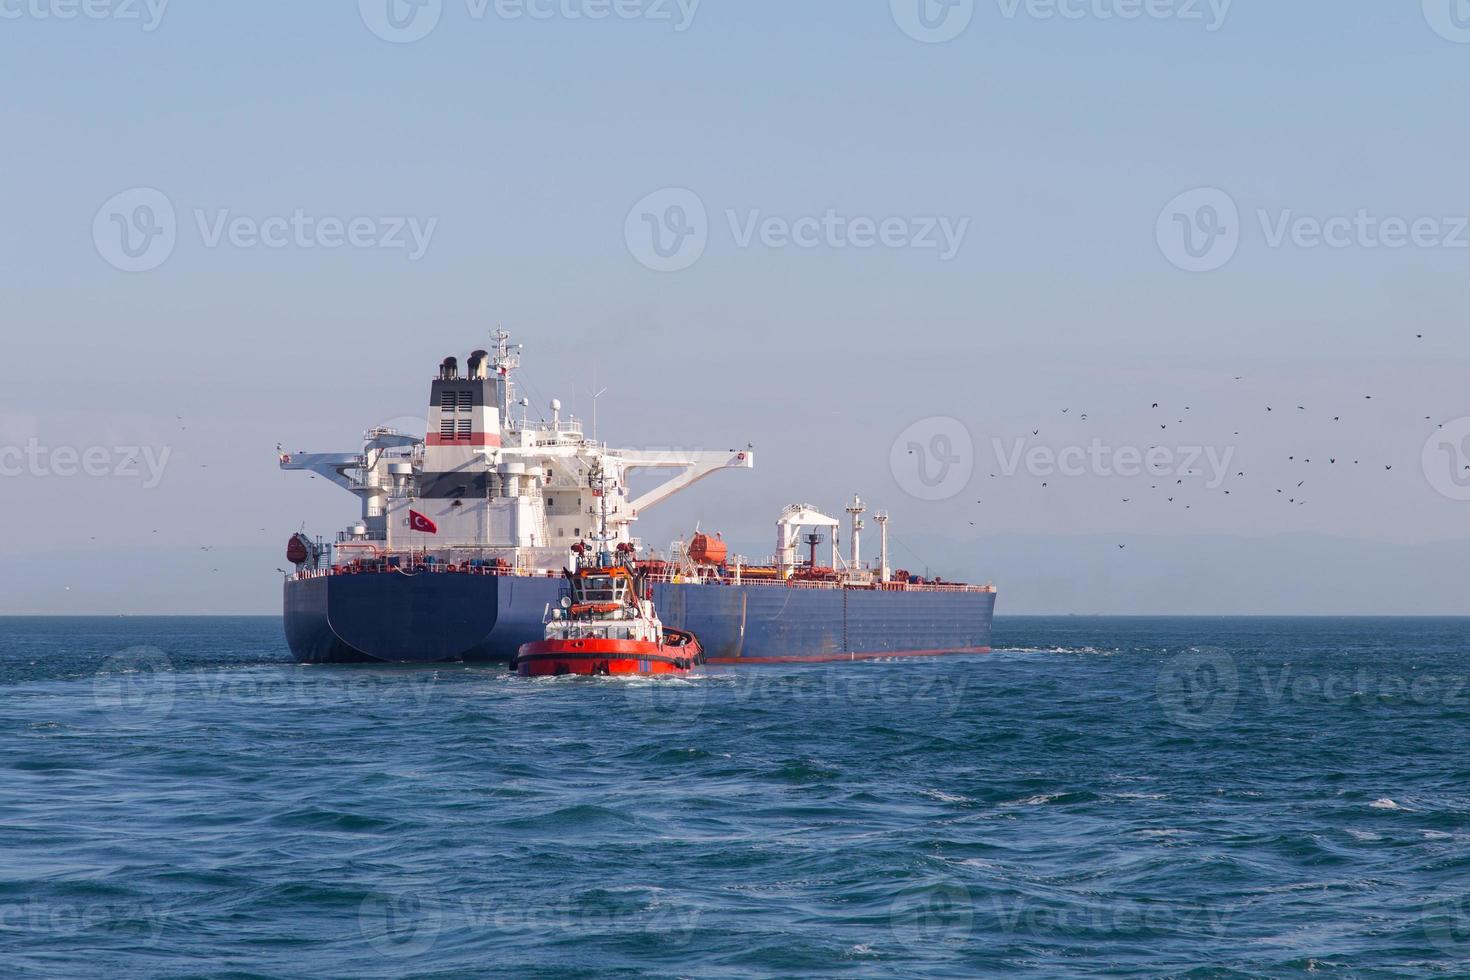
(598, 481)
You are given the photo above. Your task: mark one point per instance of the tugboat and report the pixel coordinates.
(606, 624)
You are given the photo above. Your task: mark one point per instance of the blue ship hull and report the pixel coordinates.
(448, 618)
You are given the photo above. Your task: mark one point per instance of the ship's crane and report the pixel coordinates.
(788, 531)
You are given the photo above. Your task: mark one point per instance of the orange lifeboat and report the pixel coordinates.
(706, 550)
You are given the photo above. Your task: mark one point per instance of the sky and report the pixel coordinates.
(947, 255)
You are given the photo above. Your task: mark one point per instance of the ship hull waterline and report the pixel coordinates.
(449, 618)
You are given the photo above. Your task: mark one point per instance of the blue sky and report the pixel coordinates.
(519, 147)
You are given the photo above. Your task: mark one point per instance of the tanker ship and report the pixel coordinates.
(464, 535)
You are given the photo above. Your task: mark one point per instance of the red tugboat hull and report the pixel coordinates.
(594, 657)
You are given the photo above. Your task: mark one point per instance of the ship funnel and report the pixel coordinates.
(449, 369)
(478, 367)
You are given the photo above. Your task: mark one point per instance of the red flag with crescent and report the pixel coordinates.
(419, 522)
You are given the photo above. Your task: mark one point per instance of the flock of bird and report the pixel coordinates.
(1289, 491)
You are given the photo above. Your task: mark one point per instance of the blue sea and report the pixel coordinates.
(1129, 797)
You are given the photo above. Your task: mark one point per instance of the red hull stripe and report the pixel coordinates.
(829, 658)
(550, 650)
(476, 439)
(592, 668)
(533, 658)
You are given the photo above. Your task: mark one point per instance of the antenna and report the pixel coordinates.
(507, 359)
(594, 412)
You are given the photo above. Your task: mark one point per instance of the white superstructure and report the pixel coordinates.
(497, 487)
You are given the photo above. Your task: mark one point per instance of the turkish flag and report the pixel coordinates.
(419, 522)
